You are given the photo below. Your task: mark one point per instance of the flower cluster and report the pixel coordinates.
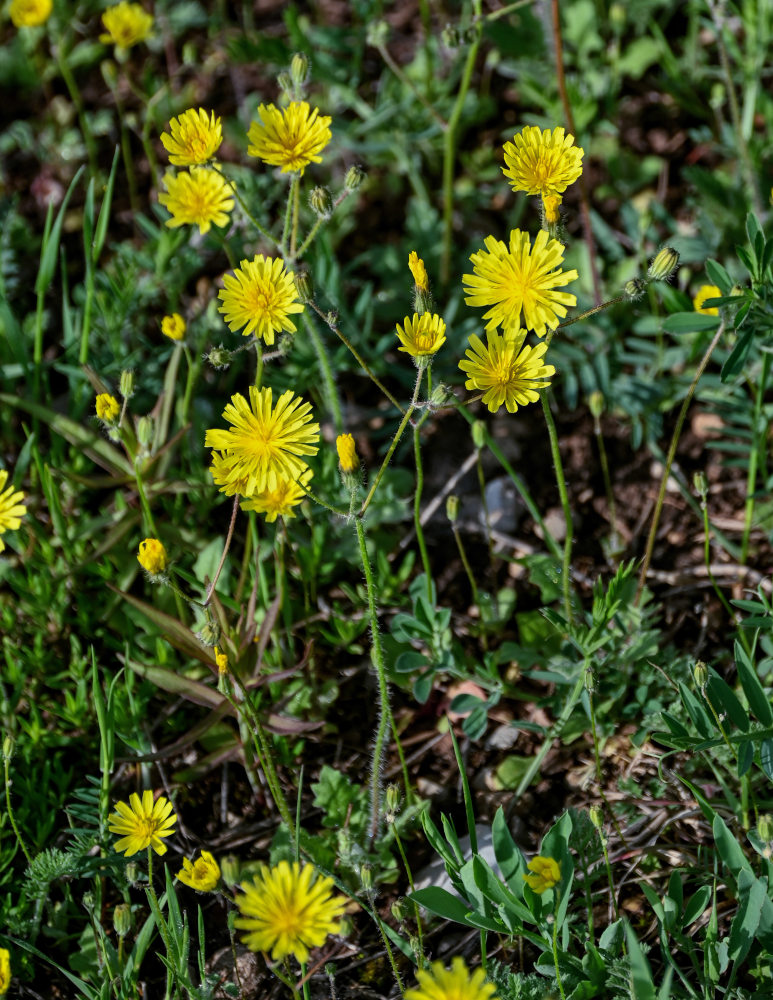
(520, 283)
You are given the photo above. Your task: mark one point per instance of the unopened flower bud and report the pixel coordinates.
(331, 318)
(219, 357)
(209, 634)
(450, 36)
(304, 286)
(378, 33)
(440, 395)
(617, 16)
(285, 83)
(401, 909)
(765, 827)
(419, 271)
(393, 797)
(478, 431)
(122, 919)
(173, 326)
(347, 454)
(700, 485)
(152, 556)
(229, 870)
(107, 407)
(355, 175)
(664, 264)
(322, 202)
(366, 875)
(7, 747)
(126, 385)
(597, 816)
(299, 69)
(701, 674)
(634, 289)
(145, 431)
(132, 871)
(452, 507)
(596, 403)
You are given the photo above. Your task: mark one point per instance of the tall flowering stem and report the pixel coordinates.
(566, 559)
(417, 503)
(395, 441)
(334, 404)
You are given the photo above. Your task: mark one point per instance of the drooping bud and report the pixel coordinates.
(440, 396)
(664, 264)
(355, 175)
(209, 634)
(321, 201)
(634, 289)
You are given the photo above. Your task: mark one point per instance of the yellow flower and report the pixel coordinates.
(29, 13)
(707, 292)
(347, 453)
(126, 24)
(5, 971)
(421, 336)
(107, 407)
(542, 162)
(202, 874)
(279, 502)
(287, 911)
(550, 206)
(152, 556)
(264, 444)
(260, 296)
(456, 983)
(290, 139)
(224, 478)
(173, 326)
(222, 661)
(195, 138)
(419, 271)
(142, 823)
(546, 872)
(521, 278)
(197, 197)
(11, 508)
(505, 373)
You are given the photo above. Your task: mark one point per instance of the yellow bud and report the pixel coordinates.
(152, 556)
(173, 326)
(347, 453)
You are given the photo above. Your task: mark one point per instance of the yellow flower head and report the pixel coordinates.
(546, 872)
(11, 507)
(142, 823)
(290, 139)
(224, 478)
(126, 24)
(347, 453)
(287, 911)
(280, 501)
(550, 208)
(173, 326)
(260, 296)
(421, 336)
(505, 373)
(264, 444)
(456, 983)
(419, 271)
(520, 278)
(540, 162)
(107, 407)
(202, 874)
(707, 292)
(5, 970)
(29, 13)
(152, 556)
(195, 138)
(197, 197)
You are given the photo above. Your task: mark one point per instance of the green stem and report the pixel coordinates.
(417, 502)
(156, 907)
(243, 205)
(288, 212)
(9, 807)
(387, 946)
(592, 312)
(146, 512)
(229, 536)
(331, 392)
(193, 370)
(416, 907)
(555, 945)
(449, 147)
(383, 689)
(562, 491)
(670, 461)
(392, 446)
(607, 481)
(466, 564)
(296, 214)
(77, 100)
(759, 437)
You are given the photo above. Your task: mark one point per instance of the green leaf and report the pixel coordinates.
(49, 253)
(509, 857)
(743, 930)
(724, 700)
(737, 356)
(700, 717)
(690, 322)
(752, 686)
(696, 905)
(642, 984)
(718, 276)
(442, 903)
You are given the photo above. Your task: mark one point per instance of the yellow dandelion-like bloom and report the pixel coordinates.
(421, 336)
(195, 138)
(260, 296)
(173, 326)
(546, 872)
(222, 661)
(202, 874)
(223, 476)
(505, 373)
(540, 162)
(707, 292)
(11, 508)
(142, 823)
(5, 971)
(419, 271)
(197, 197)
(264, 444)
(287, 911)
(280, 501)
(292, 138)
(347, 453)
(30, 13)
(126, 24)
(107, 407)
(152, 556)
(520, 278)
(456, 983)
